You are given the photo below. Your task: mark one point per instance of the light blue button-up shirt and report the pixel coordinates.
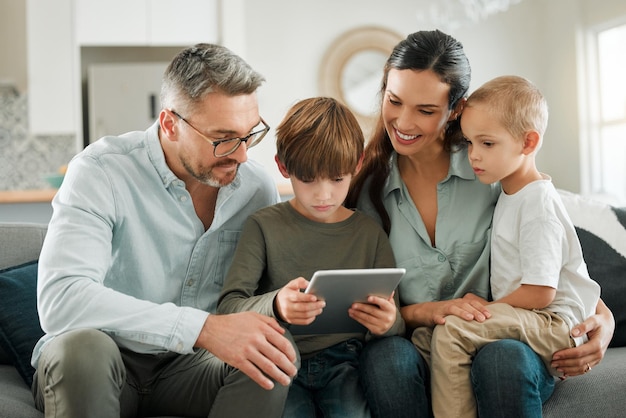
(126, 253)
(459, 261)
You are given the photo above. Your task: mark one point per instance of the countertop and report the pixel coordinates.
(27, 196)
(46, 195)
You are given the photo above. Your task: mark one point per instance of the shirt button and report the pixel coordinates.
(179, 347)
(183, 198)
(441, 258)
(190, 282)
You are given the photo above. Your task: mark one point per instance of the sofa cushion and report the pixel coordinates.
(601, 230)
(19, 321)
(599, 393)
(16, 399)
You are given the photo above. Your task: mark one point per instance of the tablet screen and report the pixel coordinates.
(340, 289)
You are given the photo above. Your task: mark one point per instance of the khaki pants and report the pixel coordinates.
(450, 348)
(83, 373)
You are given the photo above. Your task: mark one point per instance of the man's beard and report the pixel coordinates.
(207, 176)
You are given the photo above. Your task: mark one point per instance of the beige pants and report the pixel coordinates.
(449, 349)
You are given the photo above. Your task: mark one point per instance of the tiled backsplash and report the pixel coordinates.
(25, 159)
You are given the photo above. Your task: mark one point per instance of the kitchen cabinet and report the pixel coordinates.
(183, 22)
(111, 22)
(57, 30)
(135, 85)
(145, 22)
(51, 57)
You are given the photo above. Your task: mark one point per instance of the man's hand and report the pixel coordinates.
(599, 328)
(253, 343)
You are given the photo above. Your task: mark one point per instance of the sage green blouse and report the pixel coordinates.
(458, 263)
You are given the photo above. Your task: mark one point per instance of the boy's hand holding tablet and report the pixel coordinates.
(338, 301)
(296, 307)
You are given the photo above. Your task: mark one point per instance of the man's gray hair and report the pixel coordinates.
(202, 69)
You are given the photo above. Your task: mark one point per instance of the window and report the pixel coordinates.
(605, 112)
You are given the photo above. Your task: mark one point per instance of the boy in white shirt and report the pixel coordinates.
(539, 281)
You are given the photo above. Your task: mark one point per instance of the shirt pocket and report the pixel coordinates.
(463, 257)
(422, 280)
(469, 266)
(226, 244)
(442, 275)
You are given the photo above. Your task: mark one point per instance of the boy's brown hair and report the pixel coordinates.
(319, 138)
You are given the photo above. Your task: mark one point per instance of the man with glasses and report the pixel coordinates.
(143, 231)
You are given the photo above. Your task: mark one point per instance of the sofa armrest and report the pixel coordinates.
(20, 243)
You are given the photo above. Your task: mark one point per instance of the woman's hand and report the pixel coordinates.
(470, 307)
(599, 328)
(378, 315)
(295, 307)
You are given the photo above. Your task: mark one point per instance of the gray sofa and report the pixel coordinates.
(600, 393)
(19, 243)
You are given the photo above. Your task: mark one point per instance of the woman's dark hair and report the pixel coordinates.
(423, 50)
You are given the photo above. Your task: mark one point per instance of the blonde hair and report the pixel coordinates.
(516, 102)
(319, 138)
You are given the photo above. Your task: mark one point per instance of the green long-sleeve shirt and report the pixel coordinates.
(278, 245)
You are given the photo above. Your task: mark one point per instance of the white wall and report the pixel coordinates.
(537, 39)
(285, 40)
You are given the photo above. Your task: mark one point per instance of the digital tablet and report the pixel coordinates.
(340, 289)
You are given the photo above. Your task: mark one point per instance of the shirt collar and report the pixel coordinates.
(394, 181)
(459, 167)
(156, 155)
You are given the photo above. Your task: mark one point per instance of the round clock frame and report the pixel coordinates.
(355, 61)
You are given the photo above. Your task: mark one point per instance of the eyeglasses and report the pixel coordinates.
(224, 147)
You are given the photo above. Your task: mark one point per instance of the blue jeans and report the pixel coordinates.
(508, 378)
(395, 379)
(327, 384)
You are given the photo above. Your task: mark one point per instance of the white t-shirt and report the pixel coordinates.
(534, 242)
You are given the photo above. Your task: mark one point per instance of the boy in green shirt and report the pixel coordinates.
(319, 148)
